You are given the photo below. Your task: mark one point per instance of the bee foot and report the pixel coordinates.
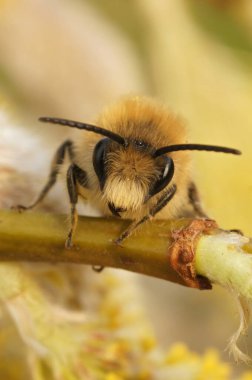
(118, 242)
(19, 208)
(69, 243)
(97, 268)
(237, 231)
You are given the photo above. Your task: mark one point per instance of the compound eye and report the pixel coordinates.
(99, 157)
(164, 178)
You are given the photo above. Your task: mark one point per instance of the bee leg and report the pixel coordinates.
(55, 166)
(74, 175)
(237, 231)
(194, 199)
(161, 203)
(73, 196)
(97, 268)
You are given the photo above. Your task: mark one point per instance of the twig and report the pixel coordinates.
(40, 237)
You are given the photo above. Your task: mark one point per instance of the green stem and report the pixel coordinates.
(41, 237)
(223, 258)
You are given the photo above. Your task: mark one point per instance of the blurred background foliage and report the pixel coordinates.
(69, 58)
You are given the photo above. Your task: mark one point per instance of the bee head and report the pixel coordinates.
(129, 170)
(128, 173)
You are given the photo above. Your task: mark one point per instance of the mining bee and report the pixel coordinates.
(134, 163)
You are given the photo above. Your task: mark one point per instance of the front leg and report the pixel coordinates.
(161, 203)
(72, 173)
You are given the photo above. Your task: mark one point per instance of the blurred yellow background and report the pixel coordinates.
(70, 58)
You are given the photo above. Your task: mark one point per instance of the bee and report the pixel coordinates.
(134, 163)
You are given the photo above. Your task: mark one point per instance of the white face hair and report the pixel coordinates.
(126, 194)
(130, 174)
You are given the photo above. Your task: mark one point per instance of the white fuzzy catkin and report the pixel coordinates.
(223, 260)
(244, 316)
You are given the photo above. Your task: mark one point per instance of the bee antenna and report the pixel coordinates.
(210, 148)
(87, 127)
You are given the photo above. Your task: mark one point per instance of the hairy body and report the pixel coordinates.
(134, 164)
